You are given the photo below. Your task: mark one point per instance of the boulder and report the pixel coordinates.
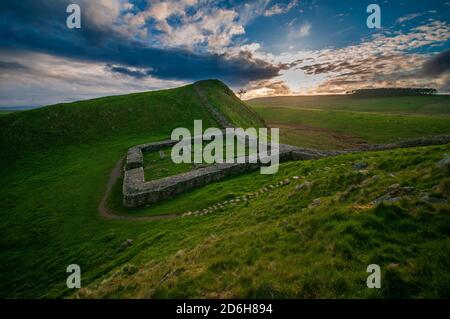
(126, 243)
(360, 165)
(302, 186)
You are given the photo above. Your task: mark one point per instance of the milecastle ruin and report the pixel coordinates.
(140, 193)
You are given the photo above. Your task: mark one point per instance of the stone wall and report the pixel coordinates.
(138, 193)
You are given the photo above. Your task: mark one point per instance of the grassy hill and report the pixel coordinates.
(312, 238)
(151, 114)
(341, 121)
(230, 105)
(437, 104)
(56, 161)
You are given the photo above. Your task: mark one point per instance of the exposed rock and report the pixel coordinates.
(408, 189)
(296, 177)
(433, 199)
(387, 198)
(302, 186)
(316, 202)
(346, 194)
(360, 165)
(444, 162)
(126, 243)
(393, 188)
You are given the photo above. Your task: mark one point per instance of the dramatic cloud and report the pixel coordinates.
(135, 73)
(101, 40)
(266, 46)
(280, 9)
(385, 59)
(304, 30)
(409, 17)
(438, 65)
(39, 79)
(266, 88)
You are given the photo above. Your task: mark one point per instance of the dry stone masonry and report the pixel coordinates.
(138, 193)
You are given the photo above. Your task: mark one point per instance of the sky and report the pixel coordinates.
(266, 47)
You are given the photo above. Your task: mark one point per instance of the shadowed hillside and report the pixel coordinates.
(54, 166)
(151, 114)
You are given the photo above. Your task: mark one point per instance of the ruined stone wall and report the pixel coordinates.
(137, 192)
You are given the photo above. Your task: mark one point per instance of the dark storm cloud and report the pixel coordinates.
(320, 68)
(127, 71)
(438, 65)
(14, 66)
(40, 26)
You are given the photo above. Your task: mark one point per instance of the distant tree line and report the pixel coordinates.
(381, 92)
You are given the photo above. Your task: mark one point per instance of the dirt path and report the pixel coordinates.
(106, 212)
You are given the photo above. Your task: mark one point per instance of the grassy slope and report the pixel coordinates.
(156, 167)
(335, 122)
(230, 105)
(152, 114)
(402, 105)
(55, 163)
(54, 166)
(277, 246)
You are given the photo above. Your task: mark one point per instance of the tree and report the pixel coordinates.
(241, 92)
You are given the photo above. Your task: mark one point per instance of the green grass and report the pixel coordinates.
(54, 167)
(277, 245)
(338, 122)
(427, 105)
(156, 167)
(151, 114)
(232, 107)
(55, 163)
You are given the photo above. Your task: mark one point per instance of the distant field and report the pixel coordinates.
(396, 105)
(337, 122)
